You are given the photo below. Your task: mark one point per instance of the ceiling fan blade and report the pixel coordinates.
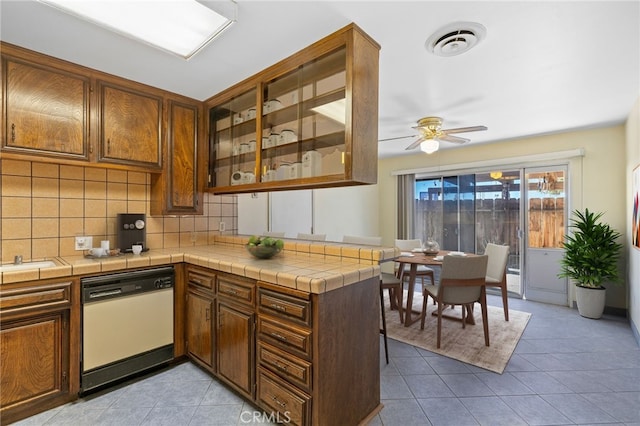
(415, 144)
(465, 129)
(396, 138)
(454, 139)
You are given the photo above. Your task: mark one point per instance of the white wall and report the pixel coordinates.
(351, 210)
(335, 212)
(291, 212)
(252, 213)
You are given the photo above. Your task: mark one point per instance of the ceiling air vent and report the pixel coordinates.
(455, 38)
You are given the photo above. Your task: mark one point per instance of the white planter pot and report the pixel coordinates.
(590, 301)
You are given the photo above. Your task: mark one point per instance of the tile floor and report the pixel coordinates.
(565, 370)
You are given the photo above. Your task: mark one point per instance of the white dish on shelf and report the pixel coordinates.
(271, 105)
(287, 136)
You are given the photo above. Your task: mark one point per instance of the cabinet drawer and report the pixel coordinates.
(290, 368)
(294, 340)
(280, 305)
(291, 406)
(201, 278)
(18, 300)
(236, 289)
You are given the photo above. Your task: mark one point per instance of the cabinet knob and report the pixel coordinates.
(13, 132)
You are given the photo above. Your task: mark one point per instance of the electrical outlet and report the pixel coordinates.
(84, 243)
(222, 227)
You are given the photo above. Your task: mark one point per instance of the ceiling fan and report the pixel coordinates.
(431, 133)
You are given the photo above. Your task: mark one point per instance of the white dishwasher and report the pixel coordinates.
(127, 324)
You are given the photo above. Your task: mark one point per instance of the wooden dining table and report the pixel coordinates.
(414, 260)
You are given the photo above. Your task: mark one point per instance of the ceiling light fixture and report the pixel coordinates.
(455, 38)
(180, 27)
(495, 175)
(429, 146)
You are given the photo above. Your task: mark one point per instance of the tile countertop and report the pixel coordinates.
(314, 267)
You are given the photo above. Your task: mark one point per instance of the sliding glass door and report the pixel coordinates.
(546, 225)
(465, 212)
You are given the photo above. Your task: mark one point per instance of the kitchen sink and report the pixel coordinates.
(27, 265)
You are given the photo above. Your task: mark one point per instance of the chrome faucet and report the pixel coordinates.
(17, 260)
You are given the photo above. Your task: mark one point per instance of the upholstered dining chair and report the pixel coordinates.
(273, 234)
(365, 241)
(312, 237)
(462, 282)
(496, 272)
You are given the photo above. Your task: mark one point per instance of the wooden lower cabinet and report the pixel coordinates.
(38, 366)
(283, 402)
(235, 347)
(305, 359)
(200, 316)
(200, 332)
(236, 332)
(319, 354)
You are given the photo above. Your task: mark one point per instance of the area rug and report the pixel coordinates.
(466, 345)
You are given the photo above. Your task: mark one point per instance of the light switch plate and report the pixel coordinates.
(84, 243)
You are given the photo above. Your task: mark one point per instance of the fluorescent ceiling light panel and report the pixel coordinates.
(182, 27)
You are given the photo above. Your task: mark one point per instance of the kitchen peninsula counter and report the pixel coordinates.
(312, 267)
(313, 308)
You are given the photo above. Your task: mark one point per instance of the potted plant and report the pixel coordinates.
(591, 254)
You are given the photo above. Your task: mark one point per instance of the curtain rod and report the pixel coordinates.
(507, 161)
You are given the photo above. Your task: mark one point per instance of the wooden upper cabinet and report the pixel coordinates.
(309, 121)
(178, 189)
(130, 130)
(46, 110)
(68, 112)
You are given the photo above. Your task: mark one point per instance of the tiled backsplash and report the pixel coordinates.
(44, 206)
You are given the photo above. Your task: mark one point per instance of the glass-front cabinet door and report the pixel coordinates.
(303, 124)
(233, 137)
(308, 121)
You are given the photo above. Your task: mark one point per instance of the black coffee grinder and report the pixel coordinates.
(131, 230)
